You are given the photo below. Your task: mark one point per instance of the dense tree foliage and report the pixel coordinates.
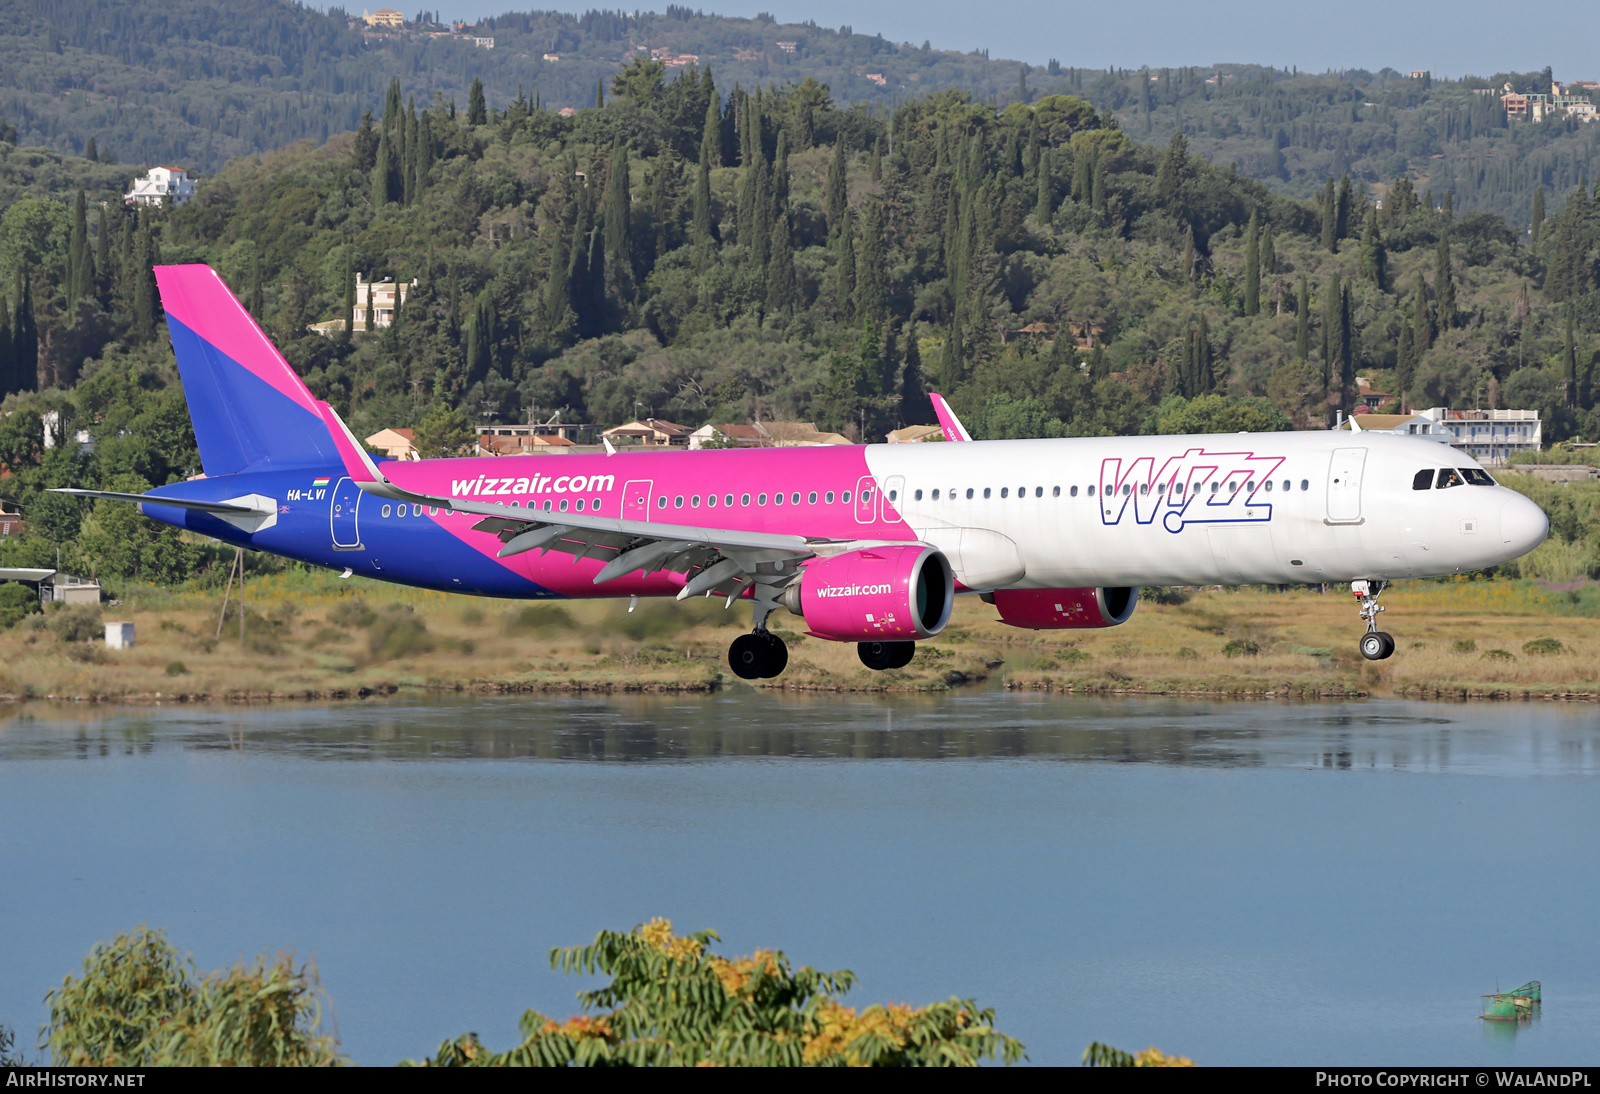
(707, 253)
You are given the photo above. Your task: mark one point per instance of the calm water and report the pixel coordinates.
(1242, 883)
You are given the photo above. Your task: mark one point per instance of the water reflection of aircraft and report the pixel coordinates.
(869, 544)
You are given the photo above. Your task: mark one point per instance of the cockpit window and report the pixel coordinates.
(1423, 480)
(1448, 478)
(1477, 476)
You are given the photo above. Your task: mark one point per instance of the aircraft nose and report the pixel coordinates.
(1523, 525)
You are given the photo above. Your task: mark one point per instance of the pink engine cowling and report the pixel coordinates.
(876, 594)
(1065, 609)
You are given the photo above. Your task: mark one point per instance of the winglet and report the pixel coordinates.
(953, 429)
(357, 462)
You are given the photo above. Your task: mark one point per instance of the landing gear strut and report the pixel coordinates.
(1375, 644)
(886, 655)
(760, 655)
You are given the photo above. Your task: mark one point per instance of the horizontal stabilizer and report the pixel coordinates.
(156, 499)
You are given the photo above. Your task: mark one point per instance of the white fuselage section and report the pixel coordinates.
(1270, 508)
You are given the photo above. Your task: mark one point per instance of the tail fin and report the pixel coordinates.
(249, 407)
(953, 429)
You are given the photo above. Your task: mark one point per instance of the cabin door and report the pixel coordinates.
(1344, 485)
(636, 499)
(342, 516)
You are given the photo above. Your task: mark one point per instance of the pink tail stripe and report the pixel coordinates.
(357, 464)
(953, 429)
(197, 297)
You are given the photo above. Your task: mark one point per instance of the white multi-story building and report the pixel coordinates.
(381, 297)
(1488, 436)
(161, 185)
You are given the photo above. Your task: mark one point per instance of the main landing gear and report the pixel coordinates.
(886, 655)
(1375, 644)
(760, 655)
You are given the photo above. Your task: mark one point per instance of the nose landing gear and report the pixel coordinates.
(886, 655)
(1376, 645)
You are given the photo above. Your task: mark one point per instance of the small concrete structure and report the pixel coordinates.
(119, 636)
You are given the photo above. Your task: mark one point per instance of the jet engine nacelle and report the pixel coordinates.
(1065, 609)
(876, 594)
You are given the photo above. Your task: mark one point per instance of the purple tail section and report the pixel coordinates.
(249, 408)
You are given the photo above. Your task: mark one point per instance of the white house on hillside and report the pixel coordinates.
(159, 186)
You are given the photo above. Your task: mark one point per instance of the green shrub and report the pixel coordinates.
(1541, 646)
(1465, 645)
(176, 668)
(1498, 655)
(1240, 647)
(17, 602)
(77, 622)
(540, 619)
(352, 613)
(139, 1004)
(671, 1001)
(399, 633)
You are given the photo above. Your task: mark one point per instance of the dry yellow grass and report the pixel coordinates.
(313, 636)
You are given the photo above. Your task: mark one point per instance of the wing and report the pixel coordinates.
(721, 561)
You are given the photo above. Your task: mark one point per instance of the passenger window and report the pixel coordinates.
(1305, 484)
(1005, 492)
(677, 502)
(1127, 488)
(811, 498)
(711, 501)
(1161, 488)
(596, 506)
(386, 510)
(1091, 491)
(1055, 491)
(579, 506)
(936, 494)
(845, 497)
(1448, 478)
(1422, 480)
(1269, 486)
(985, 491)
(744, 499)
(1144, 488)
(1177, 488)
(1233, 487)
(761, 499)
(1071, 493)
(728, 501)
(829, 496)
(662, 504)
(694, 502)
(777, 499)
(916, 496)
(969, 493)
(795, 497)
(1215, 487)
(1477, 476)
(563, 505)
(1038, 491)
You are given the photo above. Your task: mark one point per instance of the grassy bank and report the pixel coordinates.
(313, 636)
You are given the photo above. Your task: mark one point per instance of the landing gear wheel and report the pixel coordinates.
(758, 656)
(1376, 645)
(747, 657)
(777, 656)
(886, 655)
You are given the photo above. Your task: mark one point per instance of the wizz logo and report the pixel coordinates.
(1198, 487)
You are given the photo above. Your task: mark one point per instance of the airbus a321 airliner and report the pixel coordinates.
(868, 543)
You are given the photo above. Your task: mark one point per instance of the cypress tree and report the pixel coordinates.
(477, 107)
(102, 262)
(1422, 324)
(144, 289)
(1345, 348)
(618, 220)
(25, 337)
(1536, 231)
(90, 152)
(80, 260)
(836, 195)
(600, 93)
(844, 269)
(1330, 330)
(408, 172)
(391, 104)
(480, 333)
(1044, 201)
(382, 172)
(783, 293)
(1374, 256)
(1569, 364)
(915, 406)
(1330, 223)
(349, 295)
(1444, 286)
(1252, 266)
(872, 271)
(8, 371)
(1269, 253)
(256, 299)
(1342, 207)
(711, 136)
(1302, 322)
(780, 176)
(1405, 364)
(700, 231)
